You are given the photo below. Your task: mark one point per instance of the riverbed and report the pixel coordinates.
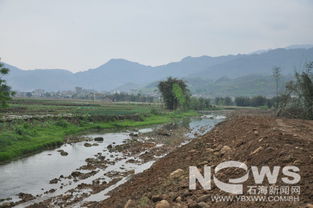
(91, 169)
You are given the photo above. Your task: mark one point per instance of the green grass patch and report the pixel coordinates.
(20, 138)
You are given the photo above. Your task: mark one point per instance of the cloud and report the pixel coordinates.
(80, 34)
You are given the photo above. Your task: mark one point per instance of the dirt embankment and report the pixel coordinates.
(255, 140)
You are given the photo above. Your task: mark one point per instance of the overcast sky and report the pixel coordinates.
(82, 34)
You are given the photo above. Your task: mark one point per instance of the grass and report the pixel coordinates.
(19, 138)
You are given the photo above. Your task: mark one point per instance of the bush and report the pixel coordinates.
(156, 111)
(62, 123)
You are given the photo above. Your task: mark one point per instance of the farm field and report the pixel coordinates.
(32, 125)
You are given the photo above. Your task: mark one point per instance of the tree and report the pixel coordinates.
(258, 101)
(276, 76)
(228, 101)
(242, 101)
(5, 90)
(298, 98)
(175, 93)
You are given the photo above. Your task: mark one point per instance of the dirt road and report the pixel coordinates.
(255, 140)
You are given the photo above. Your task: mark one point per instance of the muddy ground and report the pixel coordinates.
(253, 139)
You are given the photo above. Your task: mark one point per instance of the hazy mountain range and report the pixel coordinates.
(124, 75)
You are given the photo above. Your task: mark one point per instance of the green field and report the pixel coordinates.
(49, 122)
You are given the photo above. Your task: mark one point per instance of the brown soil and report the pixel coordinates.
(253, 139)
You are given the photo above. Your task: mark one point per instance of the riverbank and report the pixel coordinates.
(23, 137)
(255, 140)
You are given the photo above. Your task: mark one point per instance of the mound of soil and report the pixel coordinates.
(255, 140)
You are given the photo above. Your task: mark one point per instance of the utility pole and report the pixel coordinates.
(276, 76)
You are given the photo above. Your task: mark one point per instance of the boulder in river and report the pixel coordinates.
(63, 153)
(76, 174)
(25, 197)
(87, 144)
(99, 139)
(54, 181)
(135, 134)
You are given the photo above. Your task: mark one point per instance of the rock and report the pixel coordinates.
(163, 204)
(203, 163)
(25, 197)
(203, 205)
(95, 144)
(194, 205)
(217, 154)
(218, 148)
(225, 149)
(54, 181)
(163, 133)
(6, 204)
(178, 199)
(52, 190)
(110, 146)
(128, 203)
(99, 139)
(297, 162)
(177, 173)
(76, 174)
(87, 145)
(156, 198)
(187, 193)
(256, 133)
(203, 198)
(63, 153)
(209, 150)
(134, 134)
(309, 206)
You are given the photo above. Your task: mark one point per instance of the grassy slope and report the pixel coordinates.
(24, 138)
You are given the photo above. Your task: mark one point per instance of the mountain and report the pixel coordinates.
(119, 73)
(288, 60)
(48, 79)
(249, 85)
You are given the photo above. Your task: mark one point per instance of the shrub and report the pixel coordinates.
(62, 123)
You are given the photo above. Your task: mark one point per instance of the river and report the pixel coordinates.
(32, 174)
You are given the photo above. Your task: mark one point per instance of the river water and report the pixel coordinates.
(32, 174)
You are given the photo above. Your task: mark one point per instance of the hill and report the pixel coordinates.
(118, 73)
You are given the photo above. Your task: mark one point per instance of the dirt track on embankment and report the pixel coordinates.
(256, 140)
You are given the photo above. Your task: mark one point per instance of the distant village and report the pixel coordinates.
(88, 94)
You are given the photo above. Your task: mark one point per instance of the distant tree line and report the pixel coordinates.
(122, 97)
(255, 101)
(115, 97)
(243, 101)
(223, 101)
(200, 103)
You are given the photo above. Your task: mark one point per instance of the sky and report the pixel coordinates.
(81, 34)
